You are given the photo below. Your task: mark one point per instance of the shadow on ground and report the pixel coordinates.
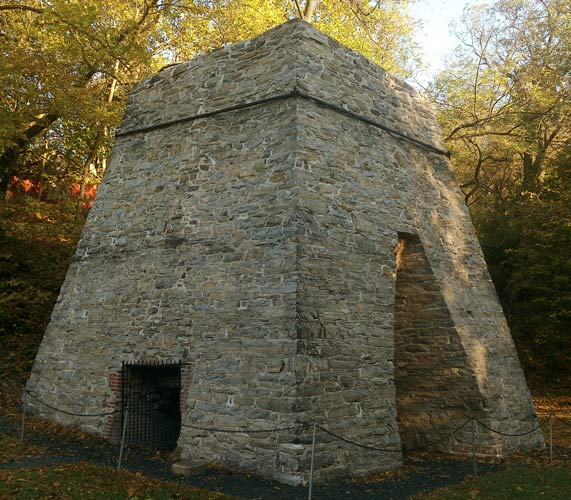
(421, 474)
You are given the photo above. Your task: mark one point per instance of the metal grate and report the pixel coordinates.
(151, 392)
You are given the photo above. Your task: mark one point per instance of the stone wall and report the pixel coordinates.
(435, 384)
(257, 244)
(361, 187)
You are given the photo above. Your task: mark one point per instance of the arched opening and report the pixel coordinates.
(436, 388)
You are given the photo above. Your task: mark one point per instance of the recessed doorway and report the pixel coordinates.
(151, 404)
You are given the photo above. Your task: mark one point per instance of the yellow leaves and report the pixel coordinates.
(62, 61)
(383, 36)
(12, 449)
(82, 480)
(44, 218)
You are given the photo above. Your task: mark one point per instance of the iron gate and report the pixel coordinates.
(151, 392)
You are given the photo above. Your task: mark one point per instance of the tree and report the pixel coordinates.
(506, 114)
(59, 59)
(68, 65)
(538, 290)
(504, 104)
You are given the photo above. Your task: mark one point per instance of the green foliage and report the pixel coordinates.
(68, 65)
(37, 241)
(504, 101)
(505, 109)
(529, 251)
(547, 482)
(92, 482)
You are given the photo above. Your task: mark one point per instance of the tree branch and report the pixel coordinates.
(27, 8)
(297, 6)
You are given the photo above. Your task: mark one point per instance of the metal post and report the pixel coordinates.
(474, 459)
(312, 460)
(126, 416)
(24, 404)
(550, 438)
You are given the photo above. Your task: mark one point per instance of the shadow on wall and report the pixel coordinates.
(435, 385)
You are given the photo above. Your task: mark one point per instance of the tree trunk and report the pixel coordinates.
(309, 10)
(87, 164)
(8, 168)
(43, 171)
(95, 146)
(10, 156)
(531, 172)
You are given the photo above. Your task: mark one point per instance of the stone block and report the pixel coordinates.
(189, 468)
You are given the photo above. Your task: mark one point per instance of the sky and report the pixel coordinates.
(434, 36)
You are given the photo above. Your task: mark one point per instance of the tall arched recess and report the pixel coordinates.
(436, 388)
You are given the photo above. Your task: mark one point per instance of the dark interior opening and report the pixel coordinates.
(151, 404)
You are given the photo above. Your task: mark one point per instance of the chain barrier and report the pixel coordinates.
(506, 433)
(246, 431)
(133, 408)
(70, 412)
(560, 420)
(138, 409)
(394, 450)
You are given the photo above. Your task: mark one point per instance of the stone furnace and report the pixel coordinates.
(280, 226)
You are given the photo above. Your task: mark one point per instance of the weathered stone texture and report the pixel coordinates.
(261, 245)
(436, 385)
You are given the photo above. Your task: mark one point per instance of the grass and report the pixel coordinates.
(550, 483)
(93, 482)
(528, 476)
(12, 449)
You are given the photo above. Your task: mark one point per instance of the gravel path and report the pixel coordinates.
(422, 475)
